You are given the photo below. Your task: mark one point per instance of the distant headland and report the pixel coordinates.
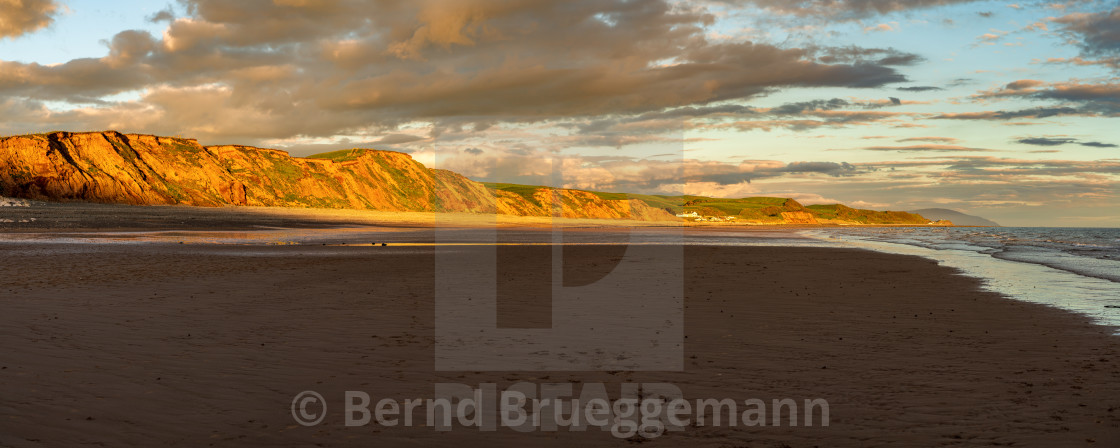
(111, 167)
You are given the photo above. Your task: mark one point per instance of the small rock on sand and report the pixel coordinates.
(9, 202)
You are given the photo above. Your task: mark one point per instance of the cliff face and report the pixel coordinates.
(575, 204)
(111, 167)
(842, 214)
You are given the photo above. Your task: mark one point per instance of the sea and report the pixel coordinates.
(1075, 269)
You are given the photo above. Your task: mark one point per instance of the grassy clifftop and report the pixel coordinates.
(760, 210)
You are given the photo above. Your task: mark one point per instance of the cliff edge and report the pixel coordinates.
(111, 167)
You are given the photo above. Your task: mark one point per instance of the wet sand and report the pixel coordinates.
(148, 345)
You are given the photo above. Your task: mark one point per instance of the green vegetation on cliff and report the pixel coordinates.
(765, 210)
(845, 213)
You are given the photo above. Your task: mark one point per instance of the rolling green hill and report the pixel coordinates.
(765, 210)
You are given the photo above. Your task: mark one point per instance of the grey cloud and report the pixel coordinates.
(619, 173)
(930, 139)
(1098, 33)
(920, 89)
(1098, 145)
(1101, 98)
(1039, 112)
(164, 15)
(830, 168)
(1045, 141)
(860, 55)
(693, 112)
(997, 166)
(926, 148)
(397, 139)
(802, 107)
(1051, 141)
(798, 116)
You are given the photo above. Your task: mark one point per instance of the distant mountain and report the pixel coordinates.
(958, 218)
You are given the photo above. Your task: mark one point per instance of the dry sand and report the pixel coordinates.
(154, 345)
(88, 216)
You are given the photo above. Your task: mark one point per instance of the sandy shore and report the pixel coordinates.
(147, 345)
(86, 216)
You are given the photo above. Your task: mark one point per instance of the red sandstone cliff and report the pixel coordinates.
(111, 167)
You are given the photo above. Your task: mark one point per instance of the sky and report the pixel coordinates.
(1000, 109)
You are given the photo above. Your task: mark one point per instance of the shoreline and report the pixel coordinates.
(129, 344)
(1030, 281)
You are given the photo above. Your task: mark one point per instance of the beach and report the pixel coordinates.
(207, 344)
(612, 223)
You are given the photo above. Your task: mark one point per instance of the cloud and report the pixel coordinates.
(829, 168)
(882, 27)
(804, 116)
(989, 38)
(318, 69)
(796, 116)
(930, 139)
(163, 15)
(808, 106)
(1112, 62)
(1101, 98)
(1098, 33)
(664, 174)
(844, 9)
(861, 55)
(19, 17)
(397, 139)
(920, 89)
(925, 148)
(1039, 112)
(1052, 141)
(1045, 141)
